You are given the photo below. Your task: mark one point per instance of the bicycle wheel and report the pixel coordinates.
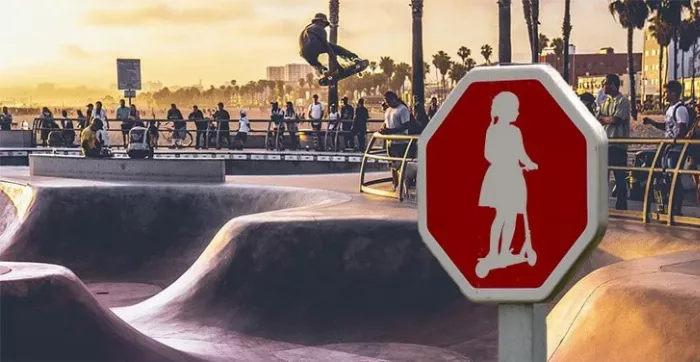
(167, 135)
(187, 142)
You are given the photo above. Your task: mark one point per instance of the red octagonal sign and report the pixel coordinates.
(512, 183)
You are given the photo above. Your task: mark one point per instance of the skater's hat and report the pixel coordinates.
(321, 17)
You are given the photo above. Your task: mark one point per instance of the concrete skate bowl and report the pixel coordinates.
(309, 281)
(641, 310)
(147, 233)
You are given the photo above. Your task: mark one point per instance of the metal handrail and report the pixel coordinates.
(661, 145)
(372, 153)
(645, 215)
(37, 128)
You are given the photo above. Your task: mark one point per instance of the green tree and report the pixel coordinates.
(631, 14)
(486, 52)
(457, 72)
(310, 81)
(471, 63)
(442, 63)
(373, 66)
(558, 49)
(543, 43)
(464, 53)
(527, 13)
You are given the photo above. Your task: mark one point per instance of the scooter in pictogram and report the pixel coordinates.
(504, 259)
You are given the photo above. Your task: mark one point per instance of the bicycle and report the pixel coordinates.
(168, 136)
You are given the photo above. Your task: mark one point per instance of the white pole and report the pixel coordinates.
(522, 333)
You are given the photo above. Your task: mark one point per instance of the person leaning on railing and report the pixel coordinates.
(397, 118)
(5, 120)
(614, 116)
(675, 126)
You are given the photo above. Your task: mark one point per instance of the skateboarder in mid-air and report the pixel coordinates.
(313, 42)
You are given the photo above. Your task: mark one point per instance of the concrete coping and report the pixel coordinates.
(125, 169)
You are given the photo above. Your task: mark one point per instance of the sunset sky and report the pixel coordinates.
(76, 42)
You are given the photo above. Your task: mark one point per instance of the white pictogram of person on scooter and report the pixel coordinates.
(504, 187)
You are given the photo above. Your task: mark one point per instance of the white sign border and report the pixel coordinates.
(597, 159)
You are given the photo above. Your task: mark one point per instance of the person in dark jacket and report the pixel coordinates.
(347, 115)
(313, 42)
(223, 120)
(198, 117)
(359, 126)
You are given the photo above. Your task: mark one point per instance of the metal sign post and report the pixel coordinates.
(129, 77)
(505, 244)
(522, 332)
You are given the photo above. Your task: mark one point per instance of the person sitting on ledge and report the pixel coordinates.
(88, 140)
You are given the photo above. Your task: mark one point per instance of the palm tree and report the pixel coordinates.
(372, 66)
(426, 69)
(464, 53)
(566, 32)
(687, 37)
(386, 64)
(418, 76)
(486, 52)
(543, 43)
(670, 12)
(504, 45)
(457, 72)
(470, 64)
(695, 16)
(631, 14)
(527, 13)
(558, 49)
(442, 63)
(310, 81)
(401, 71)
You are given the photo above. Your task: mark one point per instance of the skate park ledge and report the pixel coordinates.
(125, 169)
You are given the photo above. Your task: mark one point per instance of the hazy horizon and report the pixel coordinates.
(76, 42)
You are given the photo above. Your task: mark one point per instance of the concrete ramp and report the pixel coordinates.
(641, 310)
(140, 233)
(49, 315)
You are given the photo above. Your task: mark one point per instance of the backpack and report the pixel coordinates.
(692, 118)
(414, 127)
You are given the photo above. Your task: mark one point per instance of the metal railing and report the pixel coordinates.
(379, 186)
(652, 173)
(662, 146)
(271, 137)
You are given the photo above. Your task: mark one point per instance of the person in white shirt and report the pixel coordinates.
(316, 118)
(102, 134)
(243, 129)
(397, 118)
(333, 117)
(675, 126)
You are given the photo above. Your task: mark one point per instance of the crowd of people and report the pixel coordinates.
(612, 110)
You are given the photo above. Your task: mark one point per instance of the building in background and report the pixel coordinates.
(290, 73)
(590, 66)
(593, 83)
(294, 72)
(275, 73)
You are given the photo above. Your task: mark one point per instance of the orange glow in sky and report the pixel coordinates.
(76, 42)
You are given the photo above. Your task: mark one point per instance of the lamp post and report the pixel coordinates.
(504, 44)
(418, 84)
(333, 14)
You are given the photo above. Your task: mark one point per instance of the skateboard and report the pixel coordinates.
(506, 259)
(357, 68)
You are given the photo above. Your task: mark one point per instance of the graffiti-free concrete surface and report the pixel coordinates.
(285, 268)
